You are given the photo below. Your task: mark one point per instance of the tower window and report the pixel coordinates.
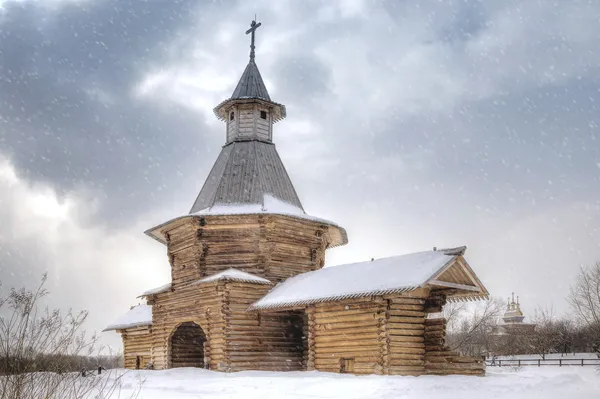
(231, 115)
(263, 114)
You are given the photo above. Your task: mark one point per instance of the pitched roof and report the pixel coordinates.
(235, 275)
(251, 88)
(243, 173)
(251, 84)
(138, 316)
(378, 277)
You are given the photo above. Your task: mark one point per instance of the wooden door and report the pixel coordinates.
(347, 365)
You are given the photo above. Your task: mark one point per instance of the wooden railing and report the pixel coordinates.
(542, 362)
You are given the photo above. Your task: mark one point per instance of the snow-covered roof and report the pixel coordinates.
(382, 276)
(157, 290)
(138, 316)
(235, 275)
(269, 205)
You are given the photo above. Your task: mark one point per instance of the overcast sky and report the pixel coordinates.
(411, 124)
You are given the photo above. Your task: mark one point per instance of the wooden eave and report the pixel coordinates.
(277, 110)
(458, 281)
(336, 235)
(455, 279)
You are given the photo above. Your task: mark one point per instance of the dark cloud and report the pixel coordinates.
(68, 117)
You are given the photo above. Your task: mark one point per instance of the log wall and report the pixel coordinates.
(406, 328)
(137, 342)
(202, 304)
(383, 335)
(261, 341)
(346, 335)
(270, 246)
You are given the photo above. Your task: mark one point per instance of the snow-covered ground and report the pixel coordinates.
(528, 382)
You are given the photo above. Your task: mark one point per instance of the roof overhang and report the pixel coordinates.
(459, 281)
(278, 110)
(455, 279)
(337, 235)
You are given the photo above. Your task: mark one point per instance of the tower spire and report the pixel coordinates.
(253, 27)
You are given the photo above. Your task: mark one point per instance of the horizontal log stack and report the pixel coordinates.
(271, 246)
(137, 343)
(346, 332)
(261, 341)
(202, 304)
(440, 360)
(387, 334)
(406, 329)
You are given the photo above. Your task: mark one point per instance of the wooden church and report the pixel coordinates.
(248, 289)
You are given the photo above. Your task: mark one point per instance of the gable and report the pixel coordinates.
(459, 279)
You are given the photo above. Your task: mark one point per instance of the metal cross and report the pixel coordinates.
(253, 27)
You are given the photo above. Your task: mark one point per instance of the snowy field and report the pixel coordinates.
(528, 382)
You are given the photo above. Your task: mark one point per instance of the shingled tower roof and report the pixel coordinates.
(251, 84)
(244, 172)
(249, 166)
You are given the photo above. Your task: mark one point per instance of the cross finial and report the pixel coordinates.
(253, 27)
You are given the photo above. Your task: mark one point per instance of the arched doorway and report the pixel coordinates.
(187, 345)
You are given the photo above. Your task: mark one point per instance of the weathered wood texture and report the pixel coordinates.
(346, 336)
(406, 330)
(247, 122)
(382, 335)
(371, 335)
(440, 360)
(202, 304)
(137, 346)
(261, 341)
(264, 127)
(270, 246)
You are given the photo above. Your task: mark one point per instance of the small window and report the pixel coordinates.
(231, 115)
(138, 362)
(263, 114)
(347, 365)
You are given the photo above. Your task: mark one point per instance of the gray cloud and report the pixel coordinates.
(68, 117)
(412, 126)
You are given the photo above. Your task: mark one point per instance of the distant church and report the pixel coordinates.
(248, 289)
(512, 321)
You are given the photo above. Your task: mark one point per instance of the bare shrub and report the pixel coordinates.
(545, 339)
(470, 329)
(42, 352)
(584, 298)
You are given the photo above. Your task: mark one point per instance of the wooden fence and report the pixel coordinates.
(542, 362)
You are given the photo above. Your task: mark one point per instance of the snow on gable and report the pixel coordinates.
(138, 316)
(235, 275)
(395, 274)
